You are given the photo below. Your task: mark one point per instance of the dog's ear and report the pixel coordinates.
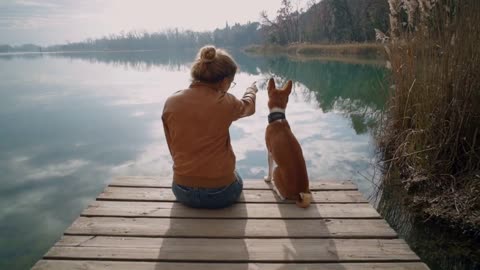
(271, 85)
(288, 87)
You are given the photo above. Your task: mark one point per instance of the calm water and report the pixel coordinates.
(69, 123)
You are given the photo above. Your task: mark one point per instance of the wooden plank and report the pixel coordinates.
(250, 210)
(136, 224)
(248, 196)
(231, 250)
(232, 228)
(151, 181)
(113, 265)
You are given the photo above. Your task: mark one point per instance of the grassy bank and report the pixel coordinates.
(370, 50)
(431, 132)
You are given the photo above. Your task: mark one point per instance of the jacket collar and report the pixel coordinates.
(196, 84)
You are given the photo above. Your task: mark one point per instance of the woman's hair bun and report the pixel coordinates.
(207, 54)
(212, 65)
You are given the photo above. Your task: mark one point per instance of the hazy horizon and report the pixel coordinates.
(52, 22)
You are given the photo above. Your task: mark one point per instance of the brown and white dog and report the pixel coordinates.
(290, 175)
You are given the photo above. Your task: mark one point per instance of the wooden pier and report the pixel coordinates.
(136, 224)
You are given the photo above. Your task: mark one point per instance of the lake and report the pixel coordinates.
(71, 122)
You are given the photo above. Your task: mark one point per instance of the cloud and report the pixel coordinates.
(29, 21)
(43, 4)
(56, 170)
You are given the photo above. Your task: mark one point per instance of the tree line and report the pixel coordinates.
(4, 48)
(174, 39)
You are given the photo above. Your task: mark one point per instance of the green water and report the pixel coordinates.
(71, 122)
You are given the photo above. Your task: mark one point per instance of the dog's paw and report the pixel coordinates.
(267, 178)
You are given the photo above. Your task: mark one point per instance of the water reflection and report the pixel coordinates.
(356, 90)
(70, 122)
(140, 61)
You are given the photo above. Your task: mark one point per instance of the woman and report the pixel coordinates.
(196, 122)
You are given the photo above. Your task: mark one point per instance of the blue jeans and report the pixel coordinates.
(211, 198)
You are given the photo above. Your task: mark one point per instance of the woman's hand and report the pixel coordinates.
(252, 88)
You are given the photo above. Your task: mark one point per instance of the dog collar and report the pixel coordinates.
(274, 116)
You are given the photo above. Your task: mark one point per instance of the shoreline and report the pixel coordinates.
(369, 52)
(425, 233)
(442, 207)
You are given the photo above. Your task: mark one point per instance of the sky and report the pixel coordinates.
(47, 22)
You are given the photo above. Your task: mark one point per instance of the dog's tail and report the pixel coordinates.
(304, 199)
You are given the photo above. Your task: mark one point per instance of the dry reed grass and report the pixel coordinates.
(431, 131)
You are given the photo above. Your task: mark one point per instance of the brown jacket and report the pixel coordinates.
(196, 122)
